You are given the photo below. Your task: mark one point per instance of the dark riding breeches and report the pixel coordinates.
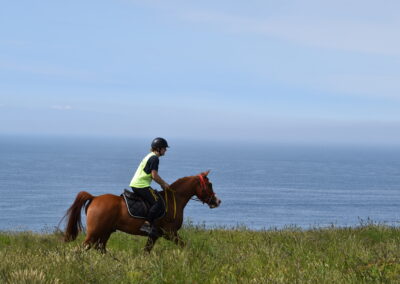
(156, 203)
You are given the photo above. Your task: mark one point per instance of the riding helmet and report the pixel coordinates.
(159, 143)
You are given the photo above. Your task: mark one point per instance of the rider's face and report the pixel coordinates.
(163, 151)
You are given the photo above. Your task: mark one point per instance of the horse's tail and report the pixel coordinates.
(74, 222)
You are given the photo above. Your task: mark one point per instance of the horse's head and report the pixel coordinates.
(205, 191)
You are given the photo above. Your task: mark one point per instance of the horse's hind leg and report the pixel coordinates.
(101, 245)
(93, 236)
(88, 242)
(98, 241)
(101, 216)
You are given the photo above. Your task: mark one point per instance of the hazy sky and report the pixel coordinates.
(300, 71)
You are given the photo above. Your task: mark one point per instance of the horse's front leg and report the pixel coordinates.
(151, 240)
(173, 236)
(179, 241)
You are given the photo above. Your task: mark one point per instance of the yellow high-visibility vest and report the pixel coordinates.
(141, 178)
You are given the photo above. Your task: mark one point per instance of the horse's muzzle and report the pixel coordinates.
(214, 202)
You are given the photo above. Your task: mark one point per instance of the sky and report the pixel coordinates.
(269, 71)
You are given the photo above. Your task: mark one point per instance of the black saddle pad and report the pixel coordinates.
(137, 207)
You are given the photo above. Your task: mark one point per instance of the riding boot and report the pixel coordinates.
(155, 212)
(148, 226)
(155, 232)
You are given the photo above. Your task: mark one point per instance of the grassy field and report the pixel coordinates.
(365, 254)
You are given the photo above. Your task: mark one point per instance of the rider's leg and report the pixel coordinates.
(156, 210)
(156, 205)
(145, 194)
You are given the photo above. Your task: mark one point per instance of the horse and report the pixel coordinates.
(107, 213)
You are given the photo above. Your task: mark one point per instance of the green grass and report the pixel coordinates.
(365, 254)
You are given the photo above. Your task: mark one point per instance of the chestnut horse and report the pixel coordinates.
(107, 213)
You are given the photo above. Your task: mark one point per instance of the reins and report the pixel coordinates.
(166, 201)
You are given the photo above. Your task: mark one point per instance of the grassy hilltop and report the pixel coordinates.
(369, 253)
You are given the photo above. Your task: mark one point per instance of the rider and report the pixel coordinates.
(145, 173)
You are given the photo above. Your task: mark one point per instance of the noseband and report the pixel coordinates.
(205, 195)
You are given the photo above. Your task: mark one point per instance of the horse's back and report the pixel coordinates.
(108, 197)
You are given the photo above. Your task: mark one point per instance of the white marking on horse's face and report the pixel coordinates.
(215, 202)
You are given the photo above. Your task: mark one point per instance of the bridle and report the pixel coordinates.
(205, 195)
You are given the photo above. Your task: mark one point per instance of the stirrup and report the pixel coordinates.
(146, 227)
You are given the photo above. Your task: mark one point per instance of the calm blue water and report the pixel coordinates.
(261, 186)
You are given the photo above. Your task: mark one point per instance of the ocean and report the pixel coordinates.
(262, 186)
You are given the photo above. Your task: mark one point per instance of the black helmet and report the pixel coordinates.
(159, 143)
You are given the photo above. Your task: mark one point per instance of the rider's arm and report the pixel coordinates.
(159, 180)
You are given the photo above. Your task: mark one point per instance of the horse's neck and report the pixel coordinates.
(184, 189)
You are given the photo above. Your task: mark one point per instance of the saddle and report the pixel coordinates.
(137, 206)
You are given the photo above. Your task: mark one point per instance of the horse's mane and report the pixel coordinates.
(176, 184)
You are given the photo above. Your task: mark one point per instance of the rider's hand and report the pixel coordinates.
(165, 186)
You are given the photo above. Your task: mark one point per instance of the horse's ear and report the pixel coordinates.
(205, 173)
